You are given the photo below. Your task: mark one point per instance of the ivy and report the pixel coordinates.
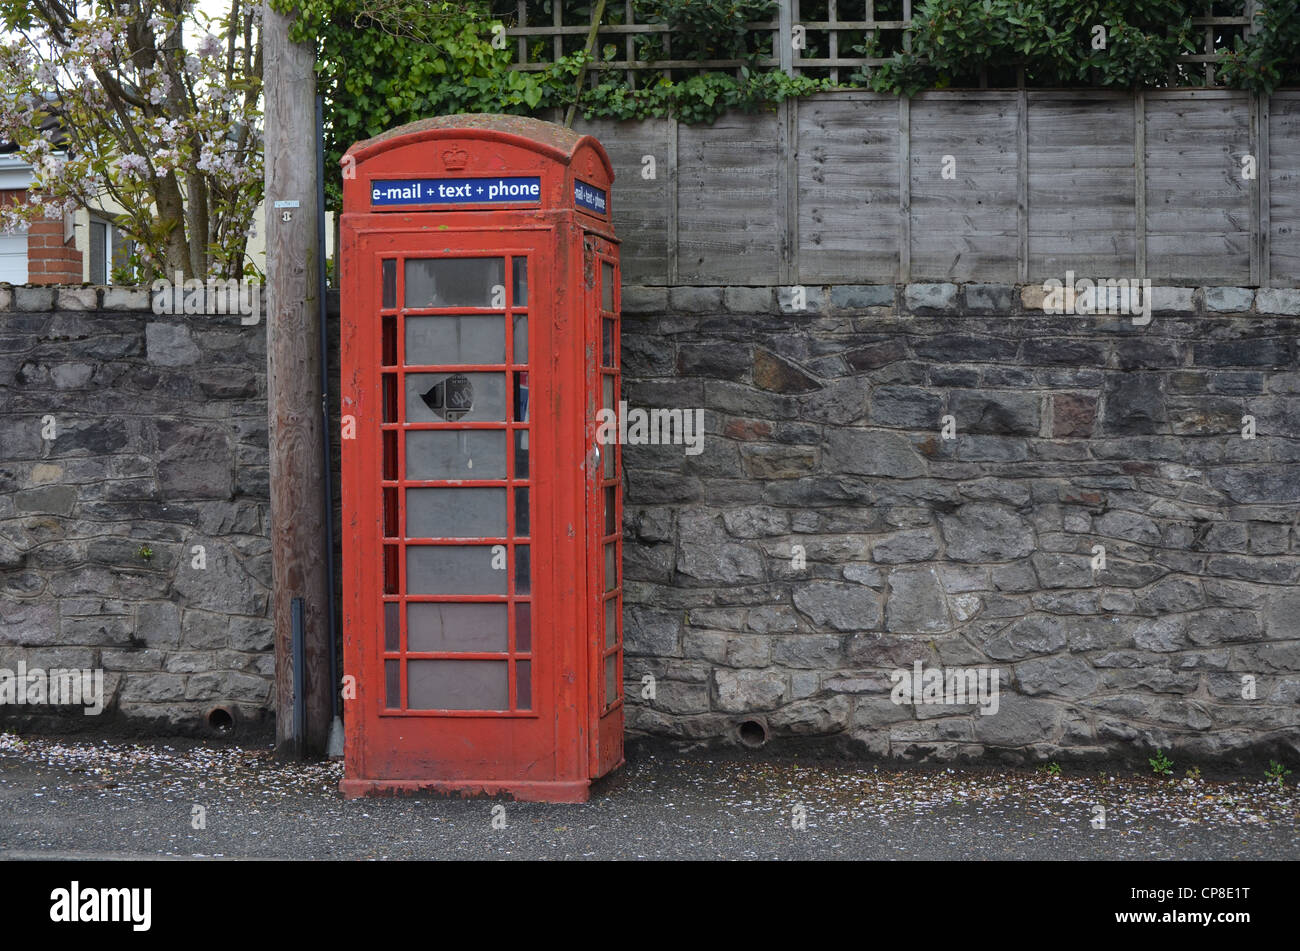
(701, 98)
(1271, 56)
(1053, 41)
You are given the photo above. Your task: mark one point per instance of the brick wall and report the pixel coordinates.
(50, 259)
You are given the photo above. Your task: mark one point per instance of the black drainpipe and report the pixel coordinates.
(335, 735)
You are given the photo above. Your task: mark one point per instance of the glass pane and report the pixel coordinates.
(390, 455)
(392, 626)
(607, 342)
(455, 282)
(455, 627)
(611, 679)
(520, 290)
(521, 512)
(456, 513)
(523, 576)
(609, 401)
(390, 398)
(521, 339)
(611, 510)
(521, 397)
(390, 513)
(98, 252)
(607, 285)
(450, 397)
(445, 454)
(439, 341)
(457, 685)
(389, 272)
(392, 684)
(524, 685)
(454, 569)
(390, 341)
(611, 622)
(523, 626)
(390, 569)
(611, 567)
(521, 454)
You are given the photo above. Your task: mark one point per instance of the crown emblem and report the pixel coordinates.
(455, 159)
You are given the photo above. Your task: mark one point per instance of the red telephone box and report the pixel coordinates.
(482, 606)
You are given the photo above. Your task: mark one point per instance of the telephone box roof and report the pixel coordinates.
(546, 138)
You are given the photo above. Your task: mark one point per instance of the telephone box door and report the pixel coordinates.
(604, 505)
(457, 550)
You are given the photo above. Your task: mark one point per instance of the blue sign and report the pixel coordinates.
(589, 197)
(456, 191)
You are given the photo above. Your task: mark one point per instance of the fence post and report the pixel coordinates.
(904, 189)
(1140, 183)
(785, 29)
(1263, 223)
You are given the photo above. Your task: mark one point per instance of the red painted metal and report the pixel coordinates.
(559, 723)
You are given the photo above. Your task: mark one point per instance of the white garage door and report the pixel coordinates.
(13, 258)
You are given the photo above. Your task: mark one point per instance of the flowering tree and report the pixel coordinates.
(151, 105)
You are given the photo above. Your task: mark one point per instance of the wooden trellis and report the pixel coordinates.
(829, 41)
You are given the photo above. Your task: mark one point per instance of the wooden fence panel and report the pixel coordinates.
(1284, 189)
(730, 213)
(1198, 205)
(1081, 213)
(964, 228)
(727, 199)
(644, 208)
(848, 190)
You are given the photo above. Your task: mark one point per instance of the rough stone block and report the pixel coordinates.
(170, 345)
(814, 300)
(1278, 300)
(695, 300)
(839, 605)
(1173, 300)
(33, 298)
(989, 298)
(931, 298)
(858, 296)
(77, 298)
(1229, 300)
(126, 298)
(748, 300)
(637, 299)
(915, 604)
(748, 691)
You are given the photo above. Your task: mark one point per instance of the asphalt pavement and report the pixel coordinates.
(95, 799)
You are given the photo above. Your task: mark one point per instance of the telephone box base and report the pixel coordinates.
(568, 792)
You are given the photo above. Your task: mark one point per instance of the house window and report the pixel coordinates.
(13, 257)
(110, 249)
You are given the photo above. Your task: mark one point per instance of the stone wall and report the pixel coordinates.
(829, 535)
(134, 507)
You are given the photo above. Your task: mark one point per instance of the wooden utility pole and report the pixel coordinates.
(293, 392)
